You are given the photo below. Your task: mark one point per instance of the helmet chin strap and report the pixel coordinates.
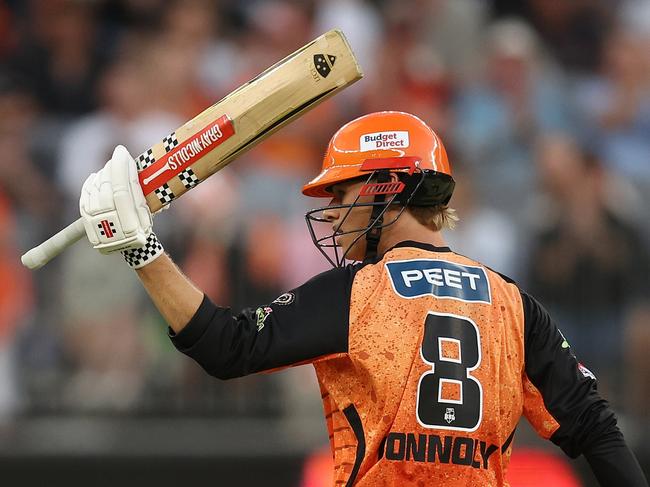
(376, 220)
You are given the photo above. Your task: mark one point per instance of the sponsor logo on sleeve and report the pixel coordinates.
(586, 372)
(565, 342)
(398, 139)
(285, 299)
(261, 314)
(440, 278)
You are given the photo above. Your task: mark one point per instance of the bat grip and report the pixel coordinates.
(53, 246)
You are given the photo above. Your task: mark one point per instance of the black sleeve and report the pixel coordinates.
(613, 463)
(587, 423)
(309, 322)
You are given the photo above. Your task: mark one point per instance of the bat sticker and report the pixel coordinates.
(145, 159)
(170, 141)
(165, 194)
(158, 172)
(184, 154)
(188, 178)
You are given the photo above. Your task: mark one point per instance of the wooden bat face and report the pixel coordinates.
(245, 117)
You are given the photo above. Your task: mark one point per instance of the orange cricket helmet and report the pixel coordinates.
(374, 147)
(389, 136)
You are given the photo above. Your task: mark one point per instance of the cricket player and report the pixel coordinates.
(426, 359)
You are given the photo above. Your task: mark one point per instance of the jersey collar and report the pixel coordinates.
(420, 245)
(407, 243)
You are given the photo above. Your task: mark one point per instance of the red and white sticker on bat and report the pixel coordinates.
(186, 153)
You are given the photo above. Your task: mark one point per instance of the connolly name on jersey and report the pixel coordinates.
(432, 448)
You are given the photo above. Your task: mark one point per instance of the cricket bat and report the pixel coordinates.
(227, 129)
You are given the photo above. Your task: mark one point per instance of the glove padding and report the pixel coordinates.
(114, 210)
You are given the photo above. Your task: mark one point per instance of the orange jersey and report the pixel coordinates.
(426, 361)
(437, 381)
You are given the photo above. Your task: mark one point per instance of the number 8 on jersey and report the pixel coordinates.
(448, 396)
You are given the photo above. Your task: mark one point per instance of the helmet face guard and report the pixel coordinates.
(329, 241)
(406, 191)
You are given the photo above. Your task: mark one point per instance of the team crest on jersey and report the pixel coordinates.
(450, 415)
(440, 278)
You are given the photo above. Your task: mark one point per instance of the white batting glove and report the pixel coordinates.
(115, 213)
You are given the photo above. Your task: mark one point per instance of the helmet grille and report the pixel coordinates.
(391, 187)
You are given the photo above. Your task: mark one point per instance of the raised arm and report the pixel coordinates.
(172, 292)
(306, 324)
(116, 218)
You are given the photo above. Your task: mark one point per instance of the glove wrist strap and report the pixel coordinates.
(137, 258)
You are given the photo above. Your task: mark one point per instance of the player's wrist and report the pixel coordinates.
(139, 257)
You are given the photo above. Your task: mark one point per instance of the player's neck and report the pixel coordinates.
(409, 229)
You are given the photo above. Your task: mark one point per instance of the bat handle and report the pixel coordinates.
(53, 246)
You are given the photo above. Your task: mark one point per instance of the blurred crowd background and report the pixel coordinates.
(544, 107)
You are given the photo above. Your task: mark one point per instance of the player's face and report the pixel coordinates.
(354, 220)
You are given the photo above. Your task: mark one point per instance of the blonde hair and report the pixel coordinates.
(435, 217)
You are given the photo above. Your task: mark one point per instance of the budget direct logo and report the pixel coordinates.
(384, 140)
(440, 278)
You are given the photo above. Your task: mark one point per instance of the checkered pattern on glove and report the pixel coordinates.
(139, 257)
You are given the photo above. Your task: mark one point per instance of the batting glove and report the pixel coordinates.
(115, 213)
